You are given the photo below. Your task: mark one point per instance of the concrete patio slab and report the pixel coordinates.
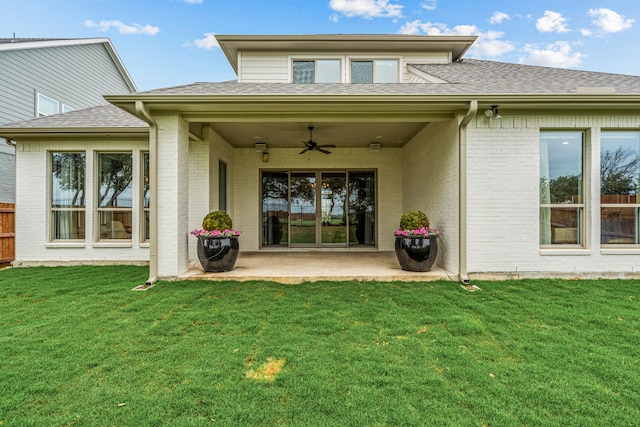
(310, 266)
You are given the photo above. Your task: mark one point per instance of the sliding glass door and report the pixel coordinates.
(318, 208)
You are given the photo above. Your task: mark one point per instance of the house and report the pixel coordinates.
(325, 140)
(40, 77)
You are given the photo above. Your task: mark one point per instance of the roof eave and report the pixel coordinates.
(16, 133)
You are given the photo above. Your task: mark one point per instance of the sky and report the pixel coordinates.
(171, 42)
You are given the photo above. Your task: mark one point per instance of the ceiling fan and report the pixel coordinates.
(313, 146)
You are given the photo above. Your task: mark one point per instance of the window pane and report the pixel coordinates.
(619, 225)
(115, 224)
(386, 71)
(67, 225)
(46, 106)
(304, 71)
(115, 180)
(362, 215)
(146, 189)
(328, 71)
(222, 186)
(361, 72)
(619, 167)
(561, 167)
(66, 108)
(275, 208)
(560, 226)
(67, 180)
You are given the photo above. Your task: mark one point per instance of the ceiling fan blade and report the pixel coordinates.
(304, 151)
(323, 150)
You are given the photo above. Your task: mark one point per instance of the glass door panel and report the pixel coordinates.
(362, 213)
(275, 208)
(334, 216)
(303, 209)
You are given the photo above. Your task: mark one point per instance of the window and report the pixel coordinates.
(66, 108)
(67, 196)
(561, 188)
(47, 106)
(376, 71)
(222, 186)
(317, 71)
(146, 198)
(619, 183)
(115, 195)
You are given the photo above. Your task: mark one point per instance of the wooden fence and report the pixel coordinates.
(7, 232)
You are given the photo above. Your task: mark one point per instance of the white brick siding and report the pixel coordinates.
(503, 197)
(33, 209)
(430, 184)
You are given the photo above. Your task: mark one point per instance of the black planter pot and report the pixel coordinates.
(416, 253)
(218, 254)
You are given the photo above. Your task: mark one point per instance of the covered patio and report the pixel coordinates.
(315, 265)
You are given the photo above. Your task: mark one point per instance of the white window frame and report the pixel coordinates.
(98, 209)
(634, 206)
(39, 97)
(315, 58)
(373, 59)
(53, 209)
(582, 226)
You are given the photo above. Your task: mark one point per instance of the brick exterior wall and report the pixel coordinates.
(503, 198)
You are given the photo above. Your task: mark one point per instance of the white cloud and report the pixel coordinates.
(193, 1)
(123, 28)
(552, 22)
(498, 17)
(429, 5)
(488, 44)
(558, 54)
(609, 21)
(334, 18)
(586, 32)
(366, 8)
(208, 42)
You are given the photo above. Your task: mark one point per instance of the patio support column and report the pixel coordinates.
(172, 195)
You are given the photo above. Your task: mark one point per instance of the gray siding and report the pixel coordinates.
(7, 174)
(76, 75)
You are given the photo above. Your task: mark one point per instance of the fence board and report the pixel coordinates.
(7, 232)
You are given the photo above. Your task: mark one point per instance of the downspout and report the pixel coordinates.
(153, 187)
(462, 137)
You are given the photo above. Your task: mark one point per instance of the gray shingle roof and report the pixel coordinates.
(470, 77)
(103, 116)
(27, 40)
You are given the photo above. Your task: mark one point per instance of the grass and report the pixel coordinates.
(77, 347)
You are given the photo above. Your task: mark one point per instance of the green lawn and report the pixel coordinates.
(78, 347)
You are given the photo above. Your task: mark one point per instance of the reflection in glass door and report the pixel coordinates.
(362, 209)
(303, 209)
(340, 214)
(334, 215)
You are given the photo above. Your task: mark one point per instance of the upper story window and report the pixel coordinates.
(374, 71)
(561, 188)
(316, 71)
(47, 106)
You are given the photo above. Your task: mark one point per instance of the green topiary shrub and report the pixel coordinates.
(217, 220)
(414, 220)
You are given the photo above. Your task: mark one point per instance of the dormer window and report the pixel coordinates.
(316, 71)
(374, 71)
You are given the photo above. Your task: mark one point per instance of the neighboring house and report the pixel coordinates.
(526, 171)
(40, 77)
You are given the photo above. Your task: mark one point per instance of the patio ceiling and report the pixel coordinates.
(341, 134)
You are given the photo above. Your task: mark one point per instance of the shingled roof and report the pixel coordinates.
(466, 78)
(469, 77)
(103, 116)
